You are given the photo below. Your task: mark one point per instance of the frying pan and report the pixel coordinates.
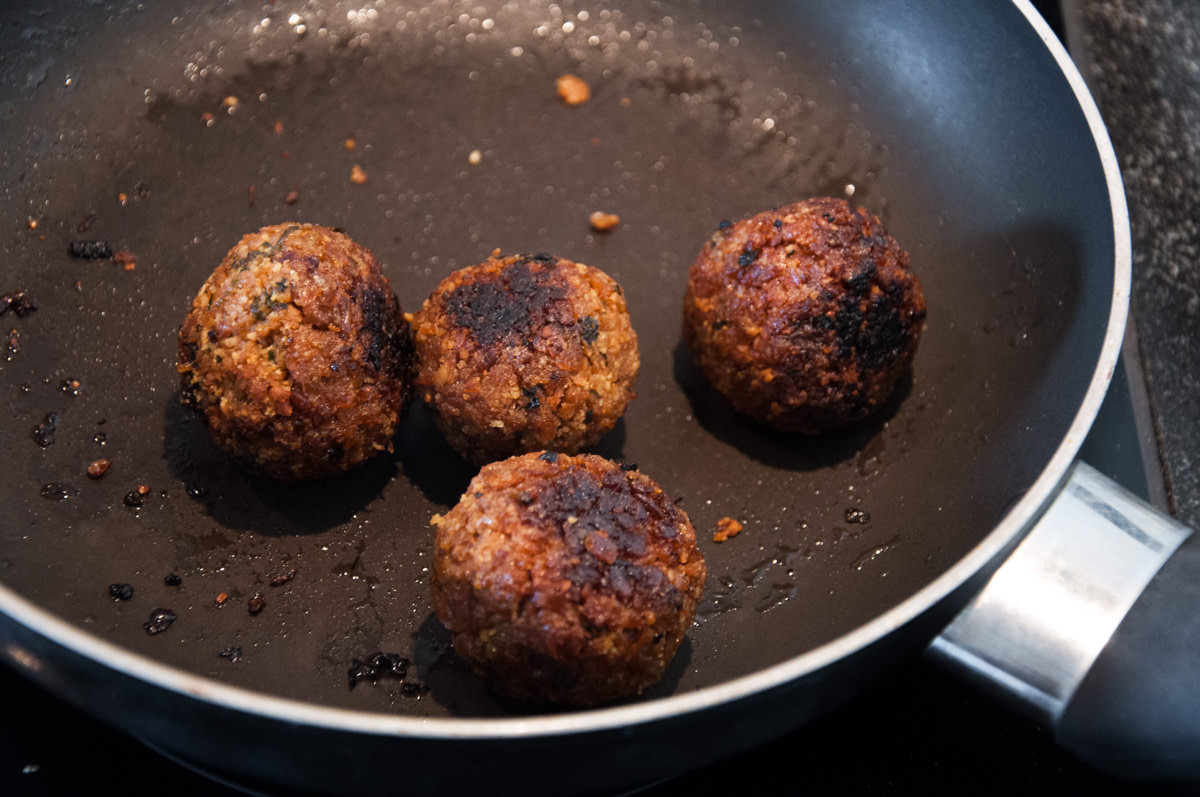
(170, 132)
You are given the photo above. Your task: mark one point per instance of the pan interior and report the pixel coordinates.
(209, 125)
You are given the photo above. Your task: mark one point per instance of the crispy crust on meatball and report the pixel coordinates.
(296, 354)
(523, 353)
(567, 579)
(804, 317)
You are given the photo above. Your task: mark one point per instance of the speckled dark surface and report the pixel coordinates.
(1142, 61)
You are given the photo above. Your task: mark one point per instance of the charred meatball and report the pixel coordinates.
(296, 354)
(521, 353)
(566, 578)
(804, 317)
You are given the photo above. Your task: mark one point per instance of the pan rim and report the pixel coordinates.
(1017, 521)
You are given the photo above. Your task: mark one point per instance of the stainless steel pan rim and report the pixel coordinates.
(1014, 524)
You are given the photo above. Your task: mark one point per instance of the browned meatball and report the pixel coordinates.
(296, 354)
(804, 317)
(566, 578)
(524, 353)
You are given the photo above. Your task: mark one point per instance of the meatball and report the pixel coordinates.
(566, 579)
(523, 353)
(804, 317)
(296, 354)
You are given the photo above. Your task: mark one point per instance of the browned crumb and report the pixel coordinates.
(31, 224)
(278, 128)
(603, 222)
(293, 197)
(727, 527)
(126, 259)
(256, 604)
(572, 89)
(229, 103)
(357, 175)
(250, 195)
(221, 598)
(98, 468)
(350, 144)
(283, 578)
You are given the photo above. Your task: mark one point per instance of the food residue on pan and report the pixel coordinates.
(572, 89)
(357, 175)
(17, 302)
(98, 468)
(160, 620)
(727, 528)
(603, 222)
(126, 259)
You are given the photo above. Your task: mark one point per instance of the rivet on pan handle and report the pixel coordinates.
(1054, 630)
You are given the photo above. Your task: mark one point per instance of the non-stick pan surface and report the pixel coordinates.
(170, 132)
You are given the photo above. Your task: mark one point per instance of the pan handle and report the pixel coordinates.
(1093, 627)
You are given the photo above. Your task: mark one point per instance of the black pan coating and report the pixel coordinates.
(170, 138)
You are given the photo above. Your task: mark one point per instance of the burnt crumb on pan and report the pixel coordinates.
(855, 515)
(256, 604)
(379, 665)
(12, 344)
(136, 497)
(233, 653)
(283, 578)
(43, 433)
(18, 302)
(160, 620)
(120, 591)
(804, 317)
(86, 223)
(566, 579)
(90, 250)
(172, 580)
(57, 491)
(296, 355)
(98, 468)
(524, 353)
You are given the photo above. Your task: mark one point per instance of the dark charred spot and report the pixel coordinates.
(725, 224)
(187, 351)
(160, 620)
(377, 335)
(523, 298)
(532, 396)
(778, 224)
(90, 250)
(377, 666)
(589, 329)
(120, 592)
(859, 284)
(335, 453)
(549, 456)
(748, 256)
(43, 433)
(233, 653)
